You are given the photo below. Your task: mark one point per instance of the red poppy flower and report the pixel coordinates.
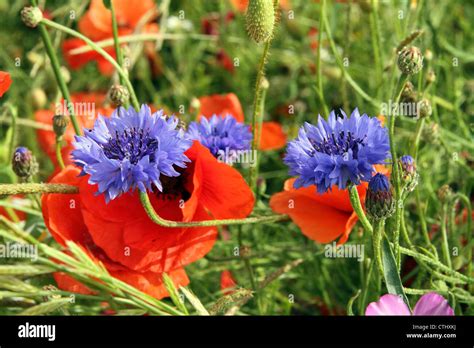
(272, 138)
(5, 82)
(228, 282)
(96, 24)
(122, 236)
(321, 217)
(47, 138)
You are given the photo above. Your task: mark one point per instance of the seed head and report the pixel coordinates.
(31, 16)
(119, 95)
(410, 60)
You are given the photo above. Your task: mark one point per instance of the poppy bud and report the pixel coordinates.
(409, 173)
(410, 60)
(118, 95)
(31, 16)
(424, 108)
(24, 163)
(379, 200)
(60, 123)
(260, 20)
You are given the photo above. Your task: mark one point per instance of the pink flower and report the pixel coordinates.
(428, 304)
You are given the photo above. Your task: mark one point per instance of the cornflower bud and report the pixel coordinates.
(408, 172)
(379, 201)
(60, 123)
(119, 95)
(424, 108)
(24, 163)
(410, 60)
(31, 16)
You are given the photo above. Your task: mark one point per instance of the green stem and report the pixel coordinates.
(318, 59)
(30, 188)
(356, 204)
(340, 63)
(377, 243)
(99, 50)
(59, 155)
(118, 51)
(175, 224)
(257, 122)
(363, 299)
(444, 234)
(416, 143)
(57, 73)
(376, 46)
(14, 115)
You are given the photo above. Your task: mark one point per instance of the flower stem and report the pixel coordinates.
(118, 51)
(57, 73)
(356, 204)
(175, 224)
(99, 50)
(318, 58)
(257, 132)
(30, 188)
(444, 234)
(14, 117)
(59, 155)
(377, 242)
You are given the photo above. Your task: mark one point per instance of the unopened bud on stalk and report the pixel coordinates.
(431, 133)
(379, 201)
(424, 108)
(260, 20)
(31, 16)
(119, 95)
(60, 123)
(428, 55)
(410, 60)
(409, 172)
(445, 193)
(430, 77)
(24, 163)
(409, 95)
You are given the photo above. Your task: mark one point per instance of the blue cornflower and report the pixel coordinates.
(221, 135)
(131, 149)
(338, 151)
(379, 183)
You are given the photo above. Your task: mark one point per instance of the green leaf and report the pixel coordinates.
(107, 4)
(46, 307)
(391, 275)
(174, 293)
(195, 302)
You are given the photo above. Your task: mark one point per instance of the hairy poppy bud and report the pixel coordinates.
(118, 95)
(379, 200)
(410, 60)
(60, 123)
(260, 20)
(31, 16)
(24, 163)
(424, 108)
(409, 173)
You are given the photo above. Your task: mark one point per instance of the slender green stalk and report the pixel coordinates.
(57, 73)
(257, 132)
(377, 243)
(363, 298)
(59, 155)
(99, 50)
(175, 224)
(373, 19)
(318, 59)
(356, 204)
(30, 188)
(419, 129)
(118, 51)
(444, 234)
(13, 124)
(340, 63)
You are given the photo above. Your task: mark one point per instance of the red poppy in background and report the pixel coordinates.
(122, 236)
(96, 24)
(228, 282)
(5, 82)
(272, 138)
(47, 138)
(321, 217)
